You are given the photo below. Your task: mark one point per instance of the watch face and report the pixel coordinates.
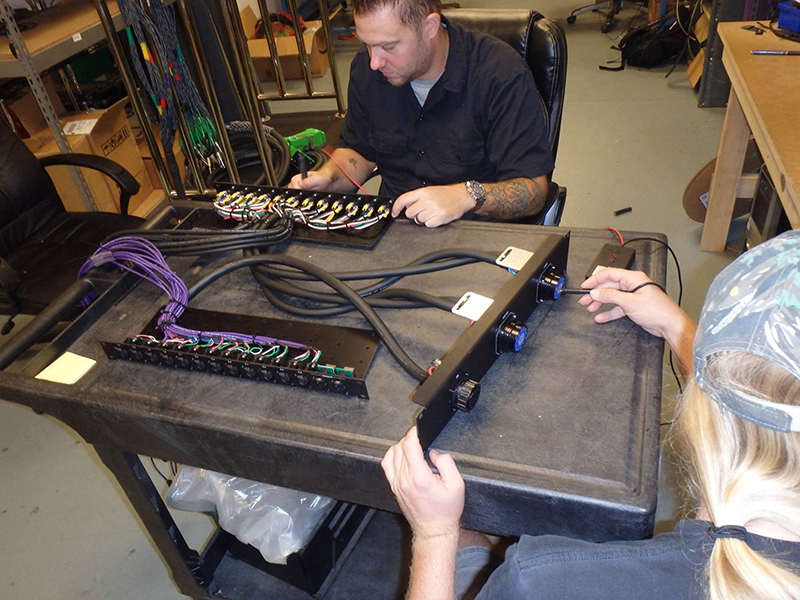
(476, 190)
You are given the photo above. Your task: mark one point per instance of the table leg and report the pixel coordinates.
(730, 159)
(136, 483)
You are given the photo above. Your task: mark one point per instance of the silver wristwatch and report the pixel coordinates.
(478, 192)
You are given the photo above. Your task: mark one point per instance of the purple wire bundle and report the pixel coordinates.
(140, 256)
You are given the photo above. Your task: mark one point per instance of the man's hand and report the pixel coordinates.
(315, 181)
(338, 174)
(431, 503)
(436, 205)
(650, 308)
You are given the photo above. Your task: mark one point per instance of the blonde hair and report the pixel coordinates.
(741, 472)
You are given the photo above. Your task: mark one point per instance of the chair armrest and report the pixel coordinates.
(128, 186)
(552, 210)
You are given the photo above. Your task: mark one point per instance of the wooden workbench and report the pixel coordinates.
(763, 102)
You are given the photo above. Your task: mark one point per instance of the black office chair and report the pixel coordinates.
(42, 246)
(612, 8)
(543, 45)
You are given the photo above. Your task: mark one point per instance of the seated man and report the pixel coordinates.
(451, 117)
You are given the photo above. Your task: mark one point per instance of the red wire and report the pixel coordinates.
(619, 235)
(431, 370)
(346, 174)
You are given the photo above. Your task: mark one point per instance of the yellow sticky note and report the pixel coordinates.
(67, 368)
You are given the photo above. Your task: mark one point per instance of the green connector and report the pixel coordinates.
(346, 371)
(305, 140)
(329, 369)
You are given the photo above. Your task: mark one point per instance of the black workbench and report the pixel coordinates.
(563, 440)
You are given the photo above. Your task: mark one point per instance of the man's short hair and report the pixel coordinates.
(411, 12)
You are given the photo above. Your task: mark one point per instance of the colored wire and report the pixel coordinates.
(140, 256)
(346, 174)
(619, 235)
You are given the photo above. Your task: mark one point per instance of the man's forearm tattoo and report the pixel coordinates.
(513, 198)
(353, 162)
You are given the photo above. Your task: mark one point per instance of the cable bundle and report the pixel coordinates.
(139, 256)
(202, 132)
(260, 233)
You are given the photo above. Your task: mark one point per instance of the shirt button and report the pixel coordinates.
(421, 117)
(422, 152)
(424, 183)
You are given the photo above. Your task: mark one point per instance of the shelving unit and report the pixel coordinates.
(59, 33)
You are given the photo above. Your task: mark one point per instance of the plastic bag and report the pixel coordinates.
(277, 521)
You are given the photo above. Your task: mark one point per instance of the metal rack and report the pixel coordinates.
(240, 66)
(243, 74)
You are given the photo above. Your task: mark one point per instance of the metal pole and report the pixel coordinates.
(37, 87)
(68, 86)
(248, 82)
(277, 69)
(301, 47)
(331, 54)
(183, 130)
(207, 85)
(133, 93)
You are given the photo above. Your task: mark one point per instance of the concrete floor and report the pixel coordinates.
(631, 138)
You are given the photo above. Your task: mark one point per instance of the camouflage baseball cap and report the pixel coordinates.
(753, 306)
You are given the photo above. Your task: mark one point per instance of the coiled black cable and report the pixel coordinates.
(273, 282)
(342, 288)
(248, 161)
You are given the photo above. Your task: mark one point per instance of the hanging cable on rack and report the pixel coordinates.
(143, 38)
(248, 161)
(202, 133)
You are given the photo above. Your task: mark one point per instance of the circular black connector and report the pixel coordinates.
(550, 284)
(511, 336)
(466, 395)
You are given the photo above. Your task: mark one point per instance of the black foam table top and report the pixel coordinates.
(564, 438)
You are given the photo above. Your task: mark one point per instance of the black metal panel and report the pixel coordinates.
(476, 350)
(346, 352)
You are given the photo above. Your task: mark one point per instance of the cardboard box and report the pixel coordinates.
(105, 133)
(149, 165)
(314, 40)
(654, 9)
(28, 113)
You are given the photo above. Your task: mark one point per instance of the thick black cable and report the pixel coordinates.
(192, 242)
(421, 265)
(432, 262)
(294, 290)
(335, 311)
(324, 297)
(369, 313)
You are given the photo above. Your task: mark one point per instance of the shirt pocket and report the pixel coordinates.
(465, 153)
(389, 143)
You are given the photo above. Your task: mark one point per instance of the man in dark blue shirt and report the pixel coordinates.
(451, 117)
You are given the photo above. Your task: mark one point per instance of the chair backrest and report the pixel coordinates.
(540, 41)
(28, 198)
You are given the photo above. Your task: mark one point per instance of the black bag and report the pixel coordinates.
(651, 45)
